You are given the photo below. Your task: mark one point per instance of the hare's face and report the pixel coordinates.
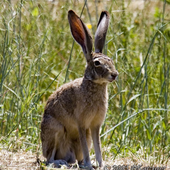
(101, 69)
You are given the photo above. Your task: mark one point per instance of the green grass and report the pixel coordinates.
(37, 55)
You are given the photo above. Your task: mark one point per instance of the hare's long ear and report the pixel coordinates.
(80, 34)
(101, 31)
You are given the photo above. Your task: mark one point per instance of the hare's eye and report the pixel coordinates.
(97, 63)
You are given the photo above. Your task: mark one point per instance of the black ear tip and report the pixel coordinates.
(102, 15)
(72, 15)
(105, 13)
(71, 12)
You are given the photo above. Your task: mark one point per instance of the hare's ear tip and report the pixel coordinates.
(71, 12)
(105, 13)
(71, 15)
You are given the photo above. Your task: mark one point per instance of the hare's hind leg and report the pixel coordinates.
(54, 149)
(56, 157)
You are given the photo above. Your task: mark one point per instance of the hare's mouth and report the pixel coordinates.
(111, 80)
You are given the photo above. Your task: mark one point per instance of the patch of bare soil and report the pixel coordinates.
(18, 160)
(28, 161)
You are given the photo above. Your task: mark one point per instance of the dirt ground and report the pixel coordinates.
(28, 161)
(18, 160)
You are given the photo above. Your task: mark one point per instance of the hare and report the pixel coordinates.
(74, 113)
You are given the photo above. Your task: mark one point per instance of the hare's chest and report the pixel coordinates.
(91, 114)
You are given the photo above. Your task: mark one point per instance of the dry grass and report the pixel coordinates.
(18, 160)
(29, 161)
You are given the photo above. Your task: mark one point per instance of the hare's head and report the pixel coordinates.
(100, 68)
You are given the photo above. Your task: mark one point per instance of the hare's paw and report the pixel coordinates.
(58, 163)
(86, 167)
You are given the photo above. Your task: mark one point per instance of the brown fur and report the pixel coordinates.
(74, 113)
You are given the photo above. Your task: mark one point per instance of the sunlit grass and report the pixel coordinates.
(37, 55)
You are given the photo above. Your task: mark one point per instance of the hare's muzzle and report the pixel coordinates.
(114, 75)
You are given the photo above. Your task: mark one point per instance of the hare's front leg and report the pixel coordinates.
(84, 146)
(96, 143)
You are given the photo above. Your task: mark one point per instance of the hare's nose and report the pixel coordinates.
(115, 75)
